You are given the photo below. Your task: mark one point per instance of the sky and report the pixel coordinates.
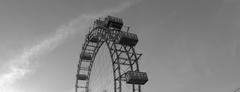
(187, 45)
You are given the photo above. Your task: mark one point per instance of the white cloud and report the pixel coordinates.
(22, 64)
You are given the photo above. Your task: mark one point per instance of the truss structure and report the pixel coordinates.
(123, 56)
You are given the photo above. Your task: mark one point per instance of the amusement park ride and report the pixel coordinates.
(124, 58)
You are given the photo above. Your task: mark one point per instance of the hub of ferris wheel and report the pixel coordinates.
(121, 43)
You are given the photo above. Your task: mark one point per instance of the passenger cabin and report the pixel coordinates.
(113, 22)
(133, 77)
(82, 77)
(86, 56)
(126, 38)
(99, 22)
(94, 39)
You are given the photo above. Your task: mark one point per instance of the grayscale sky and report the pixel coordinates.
(187, 45)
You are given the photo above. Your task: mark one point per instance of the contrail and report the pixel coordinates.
(20, 65)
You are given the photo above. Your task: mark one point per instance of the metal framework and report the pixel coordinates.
(124, 58)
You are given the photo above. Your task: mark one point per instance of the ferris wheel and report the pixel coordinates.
(109, 31)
